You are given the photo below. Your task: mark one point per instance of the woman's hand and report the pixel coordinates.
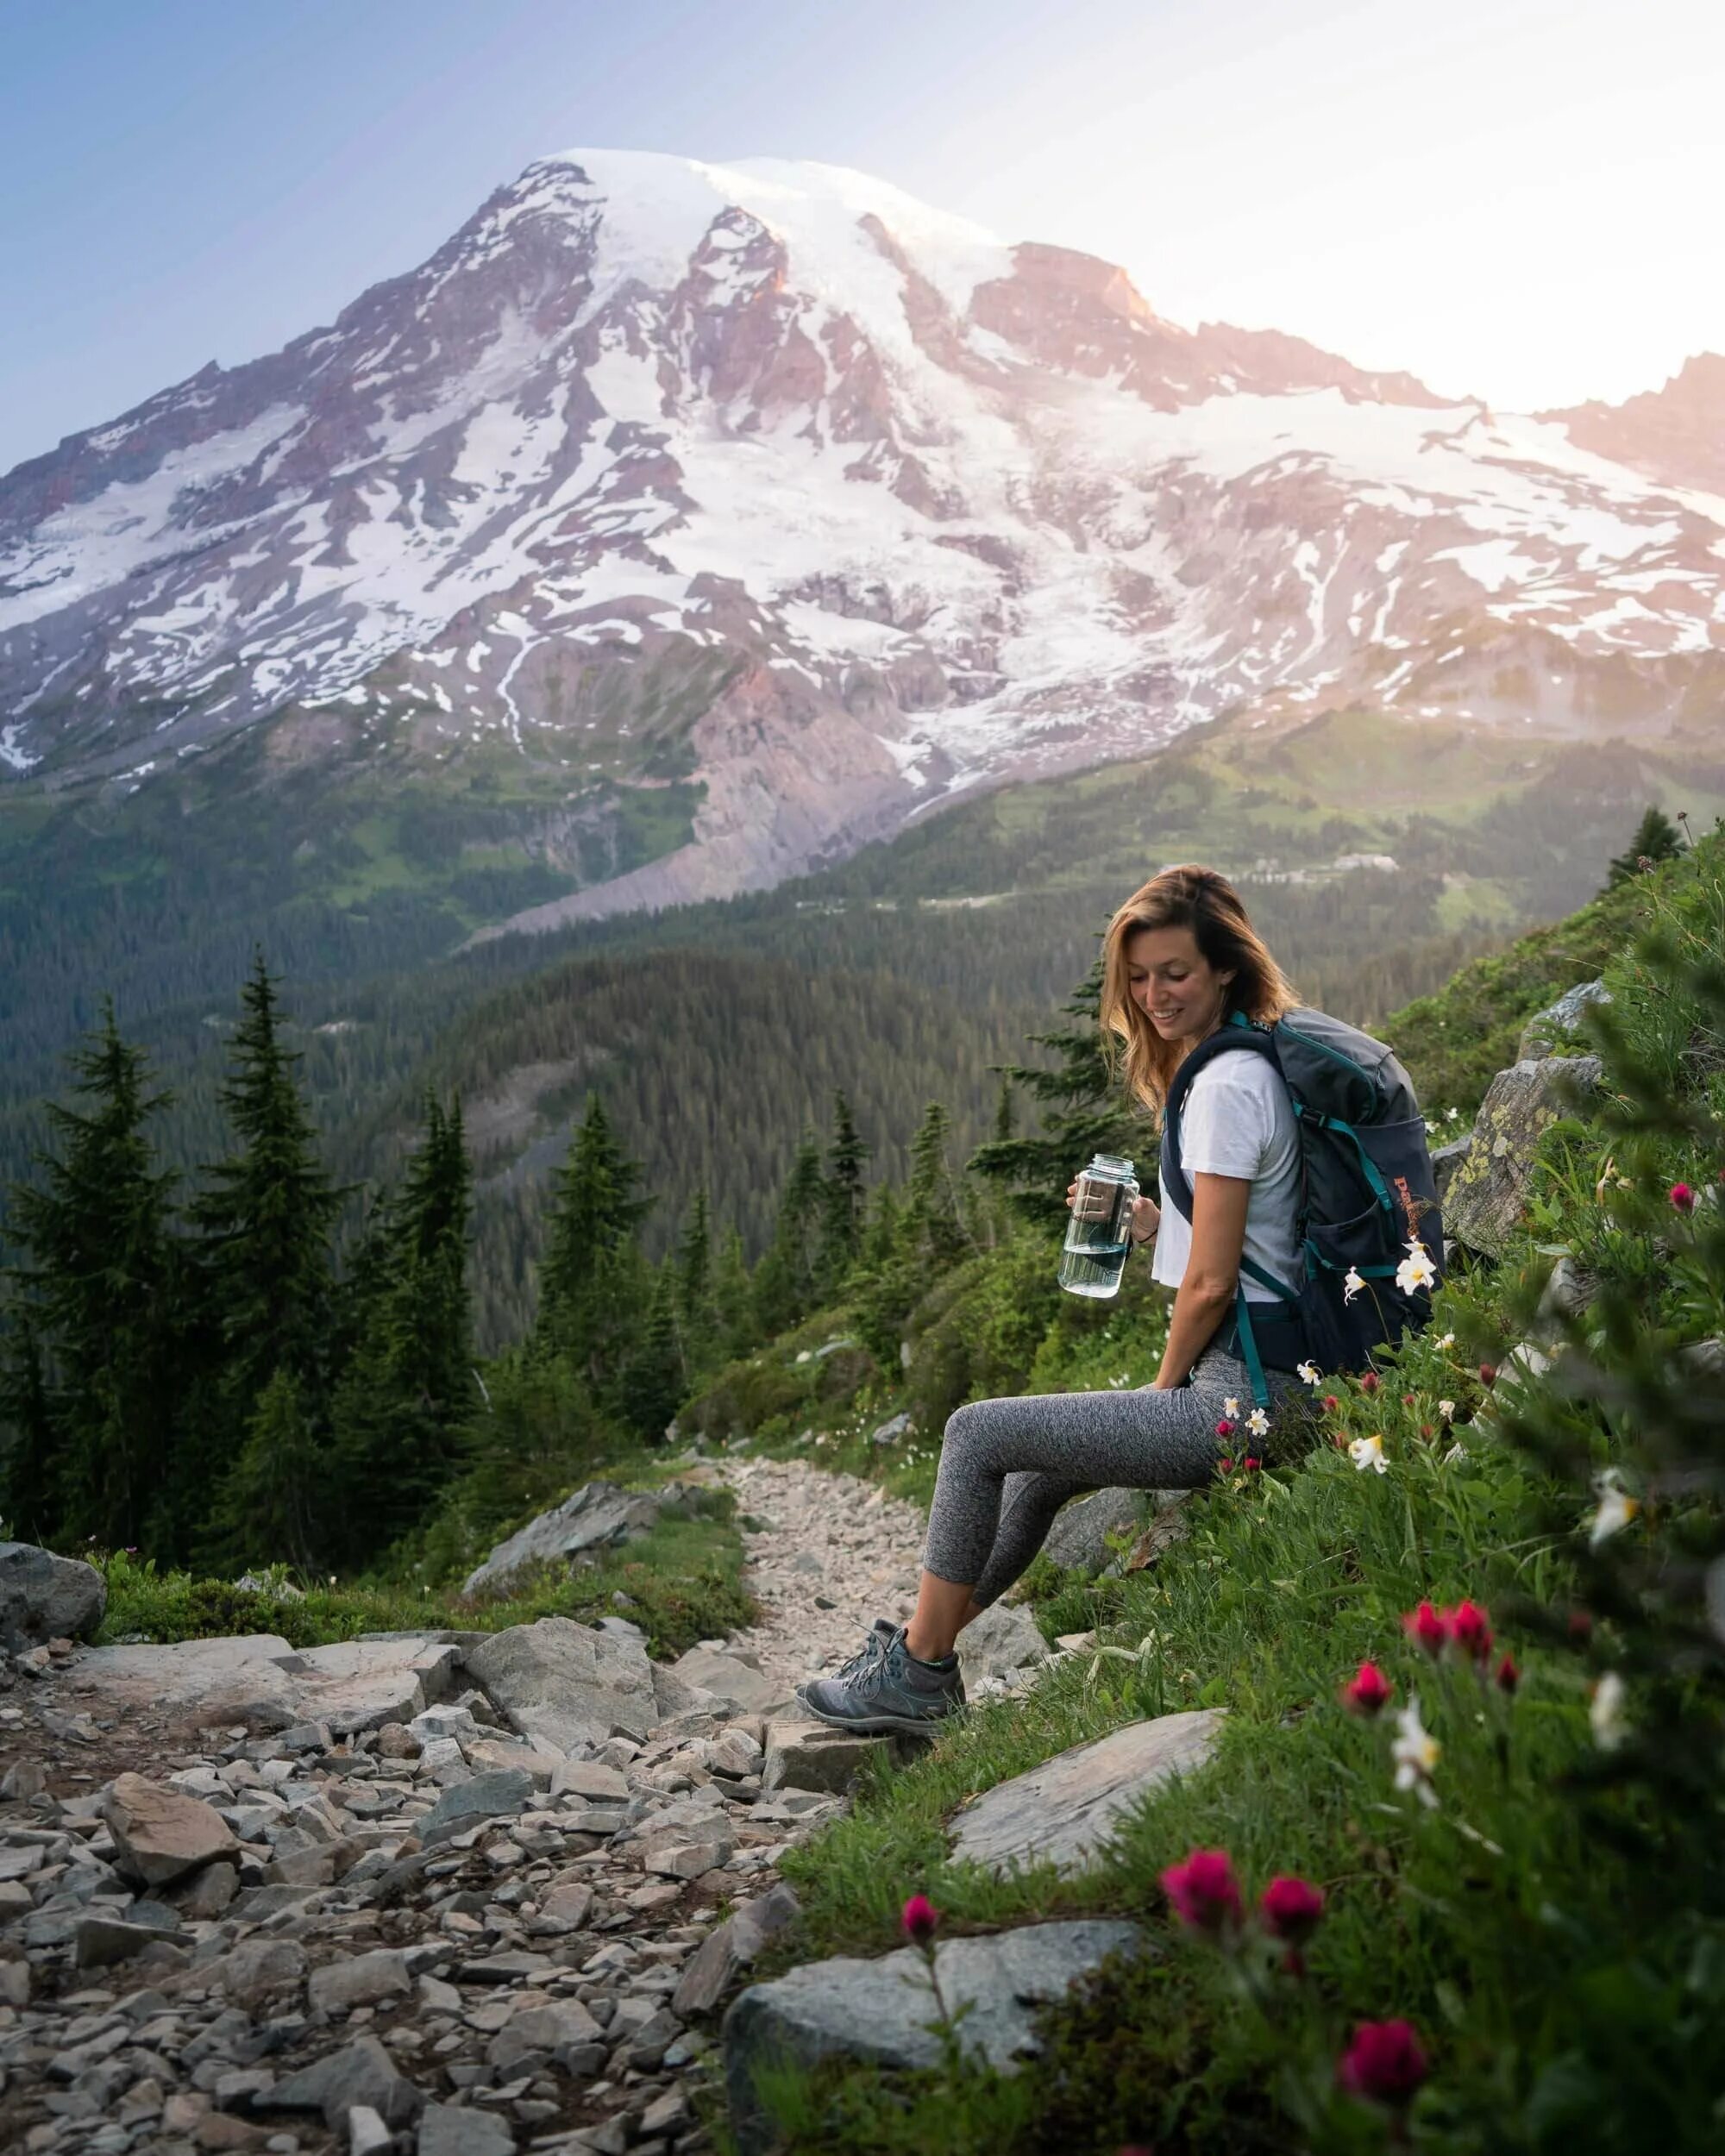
(1146, 1214)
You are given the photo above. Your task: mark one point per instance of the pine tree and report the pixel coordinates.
(1084, 1110)
(931, 1230)
(654, 1382)
(842, 1199)
(265, 1219)
(787, 1281)
(591, 1278)
(696, 1318)
(1004, 1117)
(733, 1298)
(1656, 839)
(94, 1376)
(273, 1505)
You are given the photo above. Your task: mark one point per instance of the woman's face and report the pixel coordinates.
(1174, 984)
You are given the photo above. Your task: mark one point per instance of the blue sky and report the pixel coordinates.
(1513, 198)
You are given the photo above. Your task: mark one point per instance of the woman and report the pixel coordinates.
(1180, 957)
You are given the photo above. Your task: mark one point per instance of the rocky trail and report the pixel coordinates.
(455, 1892)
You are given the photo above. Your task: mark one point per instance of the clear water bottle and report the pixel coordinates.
(1099, 1231)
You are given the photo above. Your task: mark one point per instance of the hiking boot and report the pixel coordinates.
(884, 1688)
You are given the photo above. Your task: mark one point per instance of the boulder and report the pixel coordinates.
(360, 2074)
(877, 2011)
(159, 1834)
(1546, 1028)
(596, 1516)
(566, 1682)
(258, 1679)
(1063, 1812)
(1446, 1159)
(498, 1795)
(358, 1980)
(812, 1756)
(260, 1974)
(1483, 1208)
(728, 1948)
(542, 2025)
(99, 1941)
(357, 1684)
(447, 2129)
(1004, 1639)
(1076, 1539)
(711, 1670)
(45, 1597)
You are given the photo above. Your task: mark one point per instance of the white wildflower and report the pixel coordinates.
(1366, 1452)
(1231, 1408)
(1351, 1284)
(1416, 1753)
(1448, 1340)
(1431, 1128)
(1446, 1408)
(1452, 1115)
(1616, 1508)
(1312, 1375)
(1605, 1714)
(1258, 1423)
(1416, 1270)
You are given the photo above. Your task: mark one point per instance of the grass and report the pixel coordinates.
(681, 1582)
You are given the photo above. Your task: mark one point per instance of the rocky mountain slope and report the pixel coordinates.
(767, 486)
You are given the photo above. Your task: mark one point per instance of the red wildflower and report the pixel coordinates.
(1331, 1403)
(1290, 1909)
(1426, 1628)
(1369, 1382)
(1226, 1466)
(919, 1919)
(1407, 1400)
(1509, 1676)
(1368, 1691)
(1251, 1466)
(1580, 1625)
(1384, 2062)
(1204, 1891)
(1683, 1197)
(1225, 1428)
(1468, 1625)
(1425, 1430)
(1488, 1375)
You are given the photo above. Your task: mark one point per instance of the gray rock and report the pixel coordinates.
(812, 1756)
(367, 2134)
(259, 1680)
(1483, 1208)
(362, 2072)
(1076, 1539)
(499, 1795)
(711, 1670)
(555, 2026)
(159, 1834)
(675, 1694)
(1064, 1811)
(99, 1941)
(1003, 1639)
(566, 1682)
(1546, 1028)
(876, 2011)
(1446, 1159)
(45, 1597)
(357, 1684)
(891, 1431)
(446, 2129)
(723, 1951)
(1568, 1293)
(358, 1980)
(596, 1516)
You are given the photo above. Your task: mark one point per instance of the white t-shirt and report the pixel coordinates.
(1237, 1121)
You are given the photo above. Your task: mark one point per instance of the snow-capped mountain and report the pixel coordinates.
(768, 476)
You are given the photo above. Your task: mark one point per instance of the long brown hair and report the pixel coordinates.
(1209, 905)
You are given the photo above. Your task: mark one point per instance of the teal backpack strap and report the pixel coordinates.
(1248, 1340)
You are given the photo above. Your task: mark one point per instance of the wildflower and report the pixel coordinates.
(1616, 1508)
(1368, 1452)
(1367, 1692)
(1605, 1714)
(1407, 1400)
(1368, 1383)
(1331, 1403)
(1509, 1676)
(1415, 1752)
(1451, 1115)
(919, 1920)
(1683, 1197)
(1225, 1428)
(1446, 1408)
(1204, 1891)
(1580, 1625)
(1488, 1375)
(1250, 1463)
(1447, 1340)
(1226, 1466)
(1258, 1423)
(1426, 1629)
(1311, 1373)
(1384, 2063)
(1231, 1408)
(1468, 1629)
(1351, 1283)
(1290, 1909)
(1416, 1270)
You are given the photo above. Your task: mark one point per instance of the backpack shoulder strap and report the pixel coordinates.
(1239, 1032)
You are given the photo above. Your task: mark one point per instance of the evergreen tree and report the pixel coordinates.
(273, 1505)
(654, 1382)
(931, 1230)
(697, 1315)
(842, 1198)
(1656, 839)
(592, 1279)
(733, 1298)
(94, 1376)
(1084, 1110)
(265, 1220)
(786, 1279)
(1004, 1117)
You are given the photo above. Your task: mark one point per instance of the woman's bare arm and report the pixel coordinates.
(1206, 1293)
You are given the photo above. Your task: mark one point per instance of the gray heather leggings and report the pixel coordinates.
(1007, 1466)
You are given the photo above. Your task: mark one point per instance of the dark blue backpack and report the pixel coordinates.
(1367, 1191)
